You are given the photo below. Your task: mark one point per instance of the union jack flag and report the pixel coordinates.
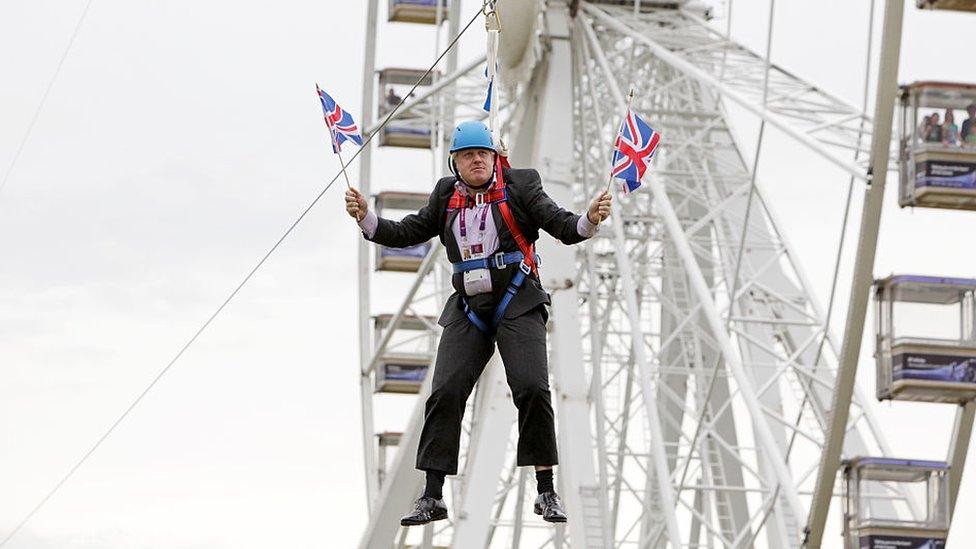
(340, 123)
(636, 143)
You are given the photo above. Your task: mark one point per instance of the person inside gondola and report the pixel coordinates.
(932, 130)
(922, 132)
(950, 131)
(968, 132)
(392, 99)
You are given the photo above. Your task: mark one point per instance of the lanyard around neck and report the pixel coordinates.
(462, 225)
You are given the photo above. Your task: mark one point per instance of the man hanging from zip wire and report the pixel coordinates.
(488, 218)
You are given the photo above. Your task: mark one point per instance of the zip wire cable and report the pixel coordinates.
(226, 301)
(40, 106)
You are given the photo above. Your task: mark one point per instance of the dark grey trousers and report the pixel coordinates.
(462, 355)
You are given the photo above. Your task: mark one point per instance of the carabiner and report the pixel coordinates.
(492, 23)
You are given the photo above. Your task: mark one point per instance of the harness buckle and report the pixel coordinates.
(524, 267)
(499, 260)
(480, 198)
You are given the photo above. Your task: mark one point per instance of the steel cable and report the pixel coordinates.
(40, 106)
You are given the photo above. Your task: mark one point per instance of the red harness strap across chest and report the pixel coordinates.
(498, 195)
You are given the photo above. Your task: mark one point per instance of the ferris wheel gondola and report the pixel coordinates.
(938, 155)
(416, 11)
(957, 5)
(402, 370)
(871, 522)
(409, 129)
(926, 343)
(400, 259)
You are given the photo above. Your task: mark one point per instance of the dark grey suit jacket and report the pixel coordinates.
(533, 210)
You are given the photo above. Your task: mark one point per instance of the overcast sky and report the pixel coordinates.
(180, 139)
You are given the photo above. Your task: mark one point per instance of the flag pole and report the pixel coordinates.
(630, 99)
(342, 164)
(338, 151)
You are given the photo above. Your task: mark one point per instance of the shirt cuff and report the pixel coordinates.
(585, 228)
(369, 223)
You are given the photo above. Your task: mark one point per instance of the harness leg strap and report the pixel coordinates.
(496, 318)
(517, 280)
(475, 319)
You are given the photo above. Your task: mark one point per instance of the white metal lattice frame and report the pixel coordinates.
(723, 488)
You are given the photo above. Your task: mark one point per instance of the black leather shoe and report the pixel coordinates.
(425, 509)
(549, 506)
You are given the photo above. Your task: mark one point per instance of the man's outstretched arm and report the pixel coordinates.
(413, 229)
(565, 226)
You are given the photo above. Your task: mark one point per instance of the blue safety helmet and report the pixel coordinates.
(472, 134)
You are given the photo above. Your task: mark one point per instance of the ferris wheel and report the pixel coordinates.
(701, 399)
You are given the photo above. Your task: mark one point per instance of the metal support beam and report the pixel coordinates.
(365, 387)
(519, 508)
(659, 459)
(712, 82)
(545, 136)
(867, 244)
(710, 311)
(962, 432)
(760, 423)
(598, 328)
(486, 456)
(403, 482)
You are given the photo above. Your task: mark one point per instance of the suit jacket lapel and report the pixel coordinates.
(449, 241)
(505, 240)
